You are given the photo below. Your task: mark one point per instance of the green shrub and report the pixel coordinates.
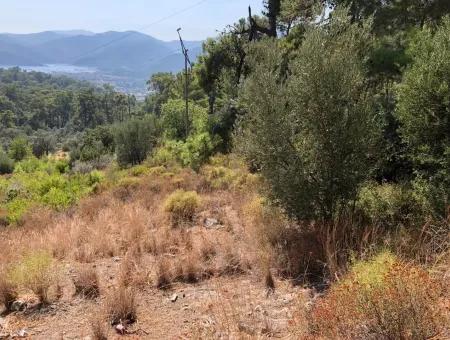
(391, 205)
(19, 149)
(43, 144)
(182, 206)
(57, 198)
(139, 170)
(135, 140)
(95, 177)
(16, 209)
(40, 182)
(173, 118)
(197, 149)
(6, 164)
(423, 110)
(167, 155)
(62, 166)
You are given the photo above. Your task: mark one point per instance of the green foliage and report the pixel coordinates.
(6, 164)
(370, 274)
(228, 173)
(197, 150)
(19, 149)
(43, 182)
(135, 140)
(182, 205)
(175, 123)
(312, 134)
(43, 144)
(94, 144)
(162, 85)
(392, 205)
(424, 107)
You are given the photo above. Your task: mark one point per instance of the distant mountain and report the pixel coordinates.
(126, 53)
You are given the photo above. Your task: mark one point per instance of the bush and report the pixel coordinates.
(19, 149)
(43, 144)
(135, 139)
(382, 298)
(228, 172)
(173, 118)
(197, 149)
(423, 109)
(182, 206)
(94, 144)
(35, 272)
(139, 170)
(391, 205)
(6, 164)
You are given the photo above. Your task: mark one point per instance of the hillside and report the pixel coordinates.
(132, 53)
(295, 184)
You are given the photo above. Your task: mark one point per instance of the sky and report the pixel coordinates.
(159, 18)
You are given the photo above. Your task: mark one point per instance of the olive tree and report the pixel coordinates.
(424, 109)
(311, 133)
(135, 139)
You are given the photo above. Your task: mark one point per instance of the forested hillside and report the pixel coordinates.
(301, 193)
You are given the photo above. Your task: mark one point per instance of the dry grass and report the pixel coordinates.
(163, 274)
(251, 239)
(87, 283)
(241, 310)
(8, 292)
(98, 328)
(120, 306)
(36, 272)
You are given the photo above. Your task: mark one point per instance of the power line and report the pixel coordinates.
(141, 29)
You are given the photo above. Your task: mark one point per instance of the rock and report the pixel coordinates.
(18, 306)
(21, 334)
(4, 336)
(120, 329)
(174, 298)
(116, 259)
(211, 223)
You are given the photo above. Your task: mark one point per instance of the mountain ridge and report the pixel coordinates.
(114, 52)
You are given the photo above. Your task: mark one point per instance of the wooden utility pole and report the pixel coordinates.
(186, 80)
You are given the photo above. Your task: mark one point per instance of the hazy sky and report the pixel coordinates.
(198, 22)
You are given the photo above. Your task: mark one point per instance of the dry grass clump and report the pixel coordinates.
(163, 274)
(36, 272)
(383, 298)
(120, 306)
(8, 292)
(293, 250)
(87, 283)
(132, 271)
(182, 206)
(187, 270)
(98, 328)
